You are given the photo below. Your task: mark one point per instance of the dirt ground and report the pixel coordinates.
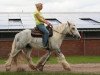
(85, 68)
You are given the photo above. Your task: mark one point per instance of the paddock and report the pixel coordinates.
(89, 44)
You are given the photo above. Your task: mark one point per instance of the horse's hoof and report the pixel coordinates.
(7, 69)
(20, 69)
(68, 69)
(40, 68)
(33, 67)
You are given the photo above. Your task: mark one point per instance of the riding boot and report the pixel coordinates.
(46, 46)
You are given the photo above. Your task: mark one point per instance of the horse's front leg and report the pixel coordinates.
(43, 61)
(62, 60)
(27, 54)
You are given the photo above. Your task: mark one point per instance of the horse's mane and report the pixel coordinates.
(59, 27)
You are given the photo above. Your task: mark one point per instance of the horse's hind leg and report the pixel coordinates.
(20, 60)
(43, 61)
(8, 64)
(11, 60)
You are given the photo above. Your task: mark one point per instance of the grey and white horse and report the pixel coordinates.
(24, 43)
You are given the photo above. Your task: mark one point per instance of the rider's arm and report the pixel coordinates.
(40, 18)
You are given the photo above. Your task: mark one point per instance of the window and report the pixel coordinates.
(91, 21)
(53, 21)
(92, 35)
(15, 22)
(7, 35)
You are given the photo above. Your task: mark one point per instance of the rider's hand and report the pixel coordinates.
(49, 24)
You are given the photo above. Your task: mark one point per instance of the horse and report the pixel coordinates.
(24, 43)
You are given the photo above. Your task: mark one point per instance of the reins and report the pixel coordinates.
(58, 32)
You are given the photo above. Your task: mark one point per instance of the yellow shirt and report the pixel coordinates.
(36, 19)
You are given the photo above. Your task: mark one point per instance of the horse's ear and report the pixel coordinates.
(68, 23)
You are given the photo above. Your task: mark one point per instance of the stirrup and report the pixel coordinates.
(46, 47)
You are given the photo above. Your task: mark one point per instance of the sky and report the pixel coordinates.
(50, 5)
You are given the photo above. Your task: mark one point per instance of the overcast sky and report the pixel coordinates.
(50, 5)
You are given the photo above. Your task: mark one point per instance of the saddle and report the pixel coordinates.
(37, 33)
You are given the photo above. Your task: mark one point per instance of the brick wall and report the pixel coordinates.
(72, 47)
(69, 47)
(5, 47)
(92, 47)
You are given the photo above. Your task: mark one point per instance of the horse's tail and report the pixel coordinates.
(13, 47)
(8, 62)
(15, 55)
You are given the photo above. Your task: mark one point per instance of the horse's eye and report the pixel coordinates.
(73, 28)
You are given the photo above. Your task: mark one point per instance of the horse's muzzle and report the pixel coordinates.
(77, 37)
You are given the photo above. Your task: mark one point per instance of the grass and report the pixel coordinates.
(74, 59)
(70, 59)
(44, 73)
(2, 60)
(83, 59)
(52, 60)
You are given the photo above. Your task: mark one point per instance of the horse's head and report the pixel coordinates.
(72, 30)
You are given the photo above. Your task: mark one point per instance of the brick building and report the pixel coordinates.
(87, 23)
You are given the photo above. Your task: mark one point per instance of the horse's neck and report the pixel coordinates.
(60, 31)
(59, 28)
(57, 35)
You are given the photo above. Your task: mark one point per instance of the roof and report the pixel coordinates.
(75, 17)
(83, 20)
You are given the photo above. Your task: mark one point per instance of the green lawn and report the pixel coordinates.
(74, 59)
(83, 59)
(70, 59)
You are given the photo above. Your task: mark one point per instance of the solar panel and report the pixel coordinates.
(26, 20)
(3, 27)
(15, 21)
(91, 21)
(15, 27)
(53, 21)
(3, 18)
(28, 26)
(3, 15)
(4, 23)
